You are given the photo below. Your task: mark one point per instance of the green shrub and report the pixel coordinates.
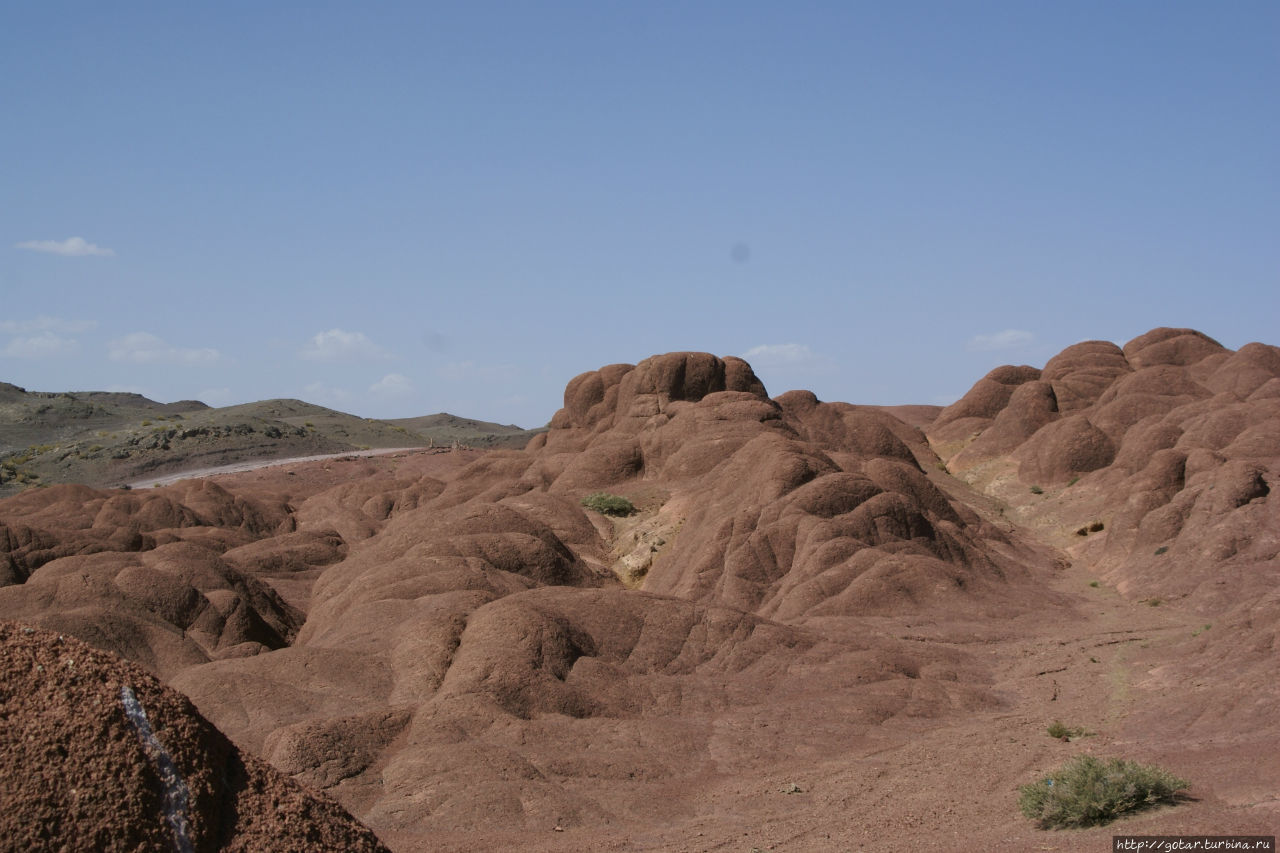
(1086, 791)
(1036, 490)
(1073, 481)
(607, 504)
(1163, 549)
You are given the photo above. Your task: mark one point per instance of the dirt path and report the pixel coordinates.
(253, 465)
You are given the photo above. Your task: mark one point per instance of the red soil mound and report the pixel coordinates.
(483, 655)
(442, 606)
(1159, 479)
(98, 755)
(501, 597)
(141, 574)
(1175, 453)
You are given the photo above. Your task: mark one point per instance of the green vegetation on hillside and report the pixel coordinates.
(107, 438)
(1087, 791)
(607, 504)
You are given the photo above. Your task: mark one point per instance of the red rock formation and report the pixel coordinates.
(479, 650)
(99, 755)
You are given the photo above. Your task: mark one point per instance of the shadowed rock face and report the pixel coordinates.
(468, 648)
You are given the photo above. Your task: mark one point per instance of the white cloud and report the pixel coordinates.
(318, 392)
(469, 371)
(146, 348)
(44, 323)
(41, 345)
(338, 345)
(1008, 339)
(392, 383)
(71, 247)
(779, 354)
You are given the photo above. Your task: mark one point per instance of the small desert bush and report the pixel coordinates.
(607, 504)
(1057, 729)
(1087, 791)
(1036, 490)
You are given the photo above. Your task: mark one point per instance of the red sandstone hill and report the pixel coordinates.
(462, 655)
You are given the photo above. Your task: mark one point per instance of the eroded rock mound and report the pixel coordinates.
(1171, 445)
(142, 574)
(445, 616)
(1095, 403)
(475, 648)
(96, 754)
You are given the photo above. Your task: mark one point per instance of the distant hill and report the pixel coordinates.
(106, 438)
(445, 427)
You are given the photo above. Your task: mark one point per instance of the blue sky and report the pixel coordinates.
(404, 208)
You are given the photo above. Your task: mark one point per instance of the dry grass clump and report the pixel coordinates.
(1061, 731)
